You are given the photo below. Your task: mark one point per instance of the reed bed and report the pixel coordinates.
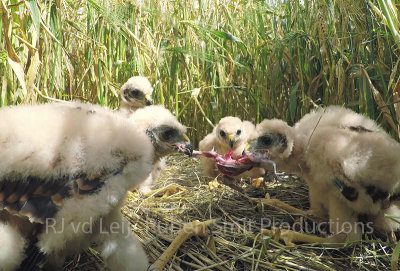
(207, 59)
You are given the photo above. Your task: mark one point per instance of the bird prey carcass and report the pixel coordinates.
(229, 134)
(232, 167)
(135, 94)
(64, 173)
(351, 166)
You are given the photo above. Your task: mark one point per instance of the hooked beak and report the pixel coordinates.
(148, 100)
(231, 140)
(186, 148)
(246, 149)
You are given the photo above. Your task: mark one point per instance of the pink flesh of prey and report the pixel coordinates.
(230, 166)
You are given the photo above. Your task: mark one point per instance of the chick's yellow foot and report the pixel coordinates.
(279, 205)
(194, 228)
(258, 183)
(166, 191)
(218, 183)
(214, 185)
(290, 237)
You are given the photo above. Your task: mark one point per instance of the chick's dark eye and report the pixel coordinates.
(222, 133)
(133, 92)
(169, 134)
(266, 140)
(238, 132)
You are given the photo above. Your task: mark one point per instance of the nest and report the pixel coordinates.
(235, 242)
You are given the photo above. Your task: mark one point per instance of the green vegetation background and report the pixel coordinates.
(207, 58)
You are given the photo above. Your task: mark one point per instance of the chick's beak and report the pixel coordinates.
(251, 146)
(186, 147)
(231, 140)
(246, 149)
(148, 100)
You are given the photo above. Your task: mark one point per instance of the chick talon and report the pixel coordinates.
(214, 185)
(194, 228)
(280, 205)
(259, 182)
(166, 191)
(290, 238)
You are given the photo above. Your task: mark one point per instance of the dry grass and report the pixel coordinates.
(235, 242)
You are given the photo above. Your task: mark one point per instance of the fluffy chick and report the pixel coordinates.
(13, 244)
(229, 134)
(135, 94)
(354, 171)
(66, 166)
(157, 118)
(348, 162)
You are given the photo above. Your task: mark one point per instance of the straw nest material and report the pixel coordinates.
(235, 242)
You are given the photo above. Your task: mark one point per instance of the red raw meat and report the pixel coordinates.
(230, 166)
